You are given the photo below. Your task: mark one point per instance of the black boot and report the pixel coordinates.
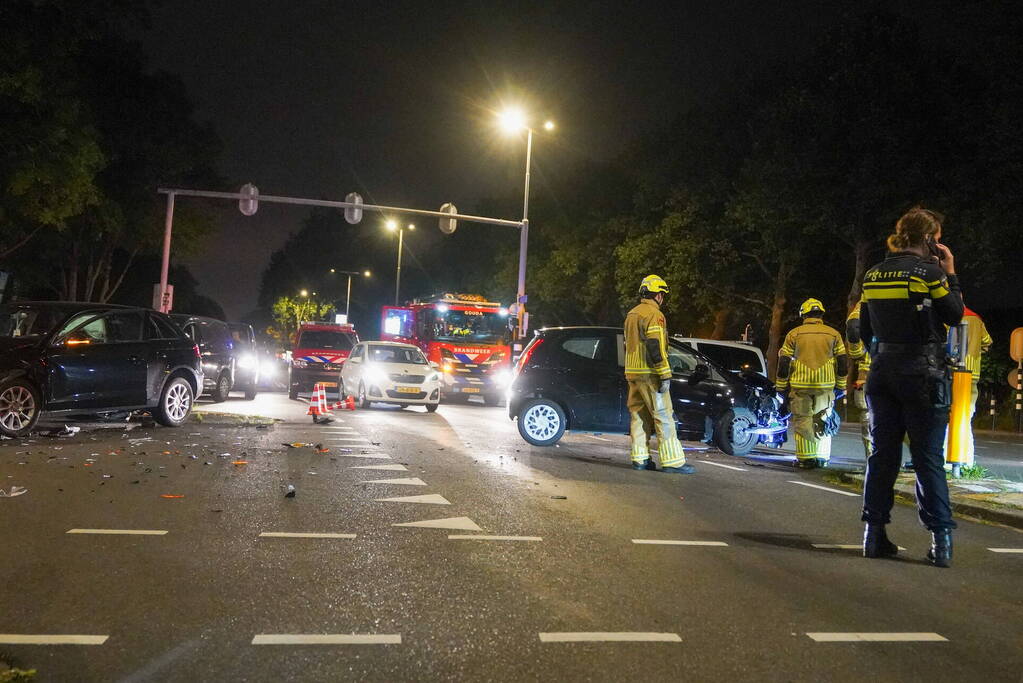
(940, 554)
(876, 543)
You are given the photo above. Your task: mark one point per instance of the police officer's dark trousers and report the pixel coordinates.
(904, 398)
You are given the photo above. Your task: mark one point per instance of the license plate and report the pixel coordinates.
(470, 390)
(408, 390)
(329, 384)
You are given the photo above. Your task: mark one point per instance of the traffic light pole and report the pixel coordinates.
(252, 198)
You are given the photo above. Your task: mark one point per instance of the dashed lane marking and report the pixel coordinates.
(39, 639)
(410, 481)
(458, 523)
(727, 467)
(120, 532)
(824, 488)
(658, 541)
(877, 637)
(291, 534)
(378, 456)
(327, 639)
(395, 467)
(429, 499)
(1006, 550)
(841, 546)
(475, 537)
(609, 637)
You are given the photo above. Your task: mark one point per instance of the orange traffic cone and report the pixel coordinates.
(318, 407)
(347, 404)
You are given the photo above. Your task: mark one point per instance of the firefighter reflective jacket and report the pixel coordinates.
(812, 357)
(857, 345)
(978, 341)
(646, 342)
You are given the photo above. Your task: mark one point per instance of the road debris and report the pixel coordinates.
(239, 462)
(560, 497)
(68, 430)
(13, 492)
(172, 495)
(290, 492)
(297, 444)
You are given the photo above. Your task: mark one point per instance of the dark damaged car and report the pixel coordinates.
(91, 359)
(572, 378)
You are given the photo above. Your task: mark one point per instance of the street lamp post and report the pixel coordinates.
(348, 295)
(514, 120)
(393, 225)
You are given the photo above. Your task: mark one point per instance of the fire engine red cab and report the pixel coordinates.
(319, 351)
(466, 335)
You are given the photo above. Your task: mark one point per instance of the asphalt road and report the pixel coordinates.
(569, 596)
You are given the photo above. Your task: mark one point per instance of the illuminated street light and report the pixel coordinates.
(391, 224)
(514, 120)
(348, 296)
(304, 292)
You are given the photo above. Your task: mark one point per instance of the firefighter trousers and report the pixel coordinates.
(649, 410)
(860, 400)
(805, 403)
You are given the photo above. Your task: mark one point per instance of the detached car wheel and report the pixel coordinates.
(542, 422)
(223, 388)
(19, 408)
(175, 403)
(732, 434)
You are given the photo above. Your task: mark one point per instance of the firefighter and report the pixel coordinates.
(908, 299)
(978, 341)
(649, 376)
(812, 370)
(858, 352)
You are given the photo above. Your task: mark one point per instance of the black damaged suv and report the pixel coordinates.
(88, 359)
(574, 378)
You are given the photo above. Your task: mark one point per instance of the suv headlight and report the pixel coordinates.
(247, 361)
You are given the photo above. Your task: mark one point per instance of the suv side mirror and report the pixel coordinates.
(77, 339)
(699, 373)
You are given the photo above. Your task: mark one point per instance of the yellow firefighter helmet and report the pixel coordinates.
(811, 305)
(653, 284)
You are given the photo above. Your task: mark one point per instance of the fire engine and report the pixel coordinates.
(464, 334)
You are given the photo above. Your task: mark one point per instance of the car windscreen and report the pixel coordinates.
(27, 321)
(396, 354)
(324, 339)
(683, 360)
(481, 327)
(732, 357)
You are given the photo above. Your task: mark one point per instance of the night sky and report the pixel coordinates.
(396, 99)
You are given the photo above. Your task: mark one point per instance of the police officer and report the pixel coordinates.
(907, 301)
(649, 376)
(813, 363)
(858, 352)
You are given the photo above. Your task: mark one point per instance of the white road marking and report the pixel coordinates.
(877, 637)
(718, 464)
(395, 467)
(824, 488)
(656, 541)
(409, 481)
(429, 499)
(1006, 550)
(458, 523)
(841, 546)
(473, 537)
(120, 532)
(609, 637)
(35, 639)
(289, 534)
(377, 456)
(346, 438)
(327, 639)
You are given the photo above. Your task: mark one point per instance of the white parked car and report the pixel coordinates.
(389, 372)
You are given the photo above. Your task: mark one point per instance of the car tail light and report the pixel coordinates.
(195, 349)
(527, 354)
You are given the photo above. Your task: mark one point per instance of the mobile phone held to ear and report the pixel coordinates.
(932, 247)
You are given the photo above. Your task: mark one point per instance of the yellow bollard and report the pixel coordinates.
(959, 419)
